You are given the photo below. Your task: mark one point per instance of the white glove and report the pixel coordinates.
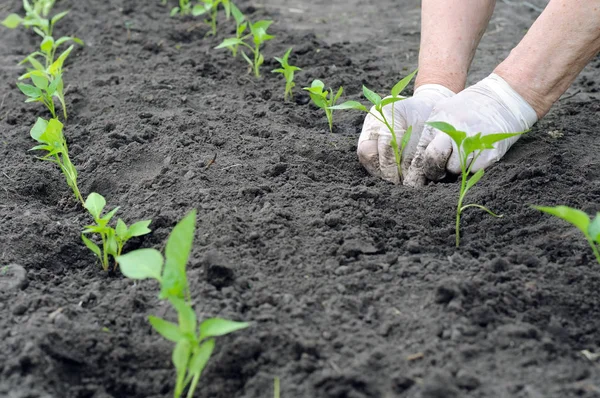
(491, 106)
(374, 150)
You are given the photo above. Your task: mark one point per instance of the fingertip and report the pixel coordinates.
(436, 157)
(368, 156)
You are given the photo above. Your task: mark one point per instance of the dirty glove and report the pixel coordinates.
(491, 106)
(374, 150)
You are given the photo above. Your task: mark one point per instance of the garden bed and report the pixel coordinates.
(353, 285)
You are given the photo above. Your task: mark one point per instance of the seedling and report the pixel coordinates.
(48, 48)
(259, 35)
(469, 149)
(211, 7)
(194, 343)
(324, 99)
(51, 138)
(378, 105)
(185, 8)
(113, 239)
(240, 27)
(36, 17)
(578, 218)
(287, 71)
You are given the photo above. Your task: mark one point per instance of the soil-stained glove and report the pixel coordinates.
(491, 106)
(374, 150)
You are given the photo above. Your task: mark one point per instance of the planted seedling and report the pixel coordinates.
(259, 35)
(240, 27)
(324, 99)
(287, 71)
(469, 149)
(194, 343)
(113, 239)
(185, 8)
(52, 140)
(48, 82)
(580, 219)
(211, 7)
(378, 113)
(36, 17)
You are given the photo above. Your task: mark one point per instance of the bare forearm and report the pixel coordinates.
(450, 33)
(558, 46)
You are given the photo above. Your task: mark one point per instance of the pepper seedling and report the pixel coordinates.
(51, 138)
(259, 35)
(287, 71)
(240, 27)
(48, 82)
(324, 99)
(580, 219)
(36, 17)
(113, 239)
(378, 113)
(211, 7)
(470, 145)
(185, 8)
(194, 343)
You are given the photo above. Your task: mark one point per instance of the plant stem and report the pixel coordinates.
(461, 197)
(594, 248)
(192, 388)
(393, 143)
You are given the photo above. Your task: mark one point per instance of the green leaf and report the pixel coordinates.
(40, 82)
(139, 228)
(12, 21)
(95, 204)
(111, 242)
(227, 43)
(108, 216)
(338, 95)
(474, 180)
(55, 84)
(179, 244)
(237, 14)
(350, 105)
(457, 136)
(141, 264)
(53, 133)
(58, 17)
(471, 144)
(29, 90)
(490, 139)
(35, 63)
(92, 246)
(166, 329)
(317, 84)
(390, 100)
(201, 357)
(47, 44)
(576, 217)
(401, 85)
(405, 139)
(181, 355)
(187, 316)
(372, 96)
(200, 9)
(215, 327)
(594, 229)
(38, 129)
(56, 67)
(121, 230)
(174, 11)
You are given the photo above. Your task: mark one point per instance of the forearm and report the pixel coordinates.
(562, 41)
(450, 33)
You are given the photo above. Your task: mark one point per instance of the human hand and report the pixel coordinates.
(491, 106)
(374, 149)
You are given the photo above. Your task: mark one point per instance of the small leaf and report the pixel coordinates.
(40, 82)
(350, 105)
(179, 244)
(95, 204)
(576, 217)
(594, 228)
(474, 180)
(201, 357)
(35, 63)
(491, 139)
(166, 329)
(187, 316)
(401, 85)
(141, 264)
(29, 90)
(390, 100)
(457, 136)
(181, 355)
(237, 14)
(12, 21)
(215, 327)
(47, 44)
(58, 17)
(92, 246)
(121, 229)
(232, 41)
(174, 11)
(139, 228)
(38, 129)
(108, 216)
(200, 9)
(373, 97)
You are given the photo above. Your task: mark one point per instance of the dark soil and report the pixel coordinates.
(353, 286)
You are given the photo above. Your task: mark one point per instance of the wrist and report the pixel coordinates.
(453, 81)
(524, 84)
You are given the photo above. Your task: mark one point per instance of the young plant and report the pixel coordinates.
(185, 8)
(287, 71)
(378, 105)
(469, 149)
(259, 35)
(211, 7)
(194, 343)
(36, 17)
(52, 140)
(324, 99)
(113, 239)
(48, 82)
(578, 218)
(240, 27)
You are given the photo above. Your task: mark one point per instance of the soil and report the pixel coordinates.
(353, 285)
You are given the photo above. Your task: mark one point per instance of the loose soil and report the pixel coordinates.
(352, 285)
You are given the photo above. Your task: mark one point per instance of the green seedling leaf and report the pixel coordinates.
(187, 316)
(576, 217)
(177, 251)
(141, 264)
(490, 139)
(121, 229)
(237, 14)
(139, 228)
(181, 355)
(215, 327)
(40, 82)
(166, 329)
(47, 44)
(350, 105)
(58, 17)
(35, 63)
(401, 85)
(457, 136)
(227, 43)
(373, 97)
(95, 204)
(594, 229)
(474, 179)
(12, 21)
(38, 129)
(201, 357)
(92, 246)
(29, 90)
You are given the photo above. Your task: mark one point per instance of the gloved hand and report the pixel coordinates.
(491, 106)
(374, 150)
